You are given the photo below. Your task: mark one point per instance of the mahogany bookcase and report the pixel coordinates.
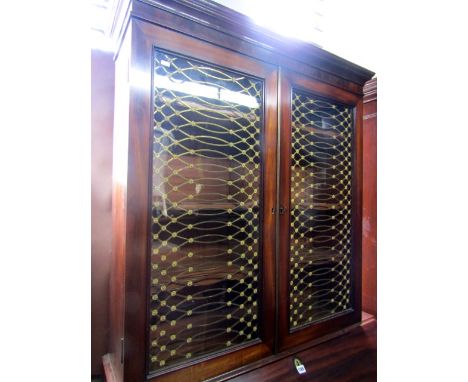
(237, 193)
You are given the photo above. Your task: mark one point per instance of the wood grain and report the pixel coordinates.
(225, 27)
(119, 193)
(214, 34)
(134, 248)
(348, 358)
(369, 218)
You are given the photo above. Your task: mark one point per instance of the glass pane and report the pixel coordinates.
(320, 250)
(205, 209)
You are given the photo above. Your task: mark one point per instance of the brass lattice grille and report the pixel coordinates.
(205, 209)
(320, 262)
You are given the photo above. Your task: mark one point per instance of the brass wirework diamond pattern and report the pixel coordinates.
(320, 249)
(205, 209)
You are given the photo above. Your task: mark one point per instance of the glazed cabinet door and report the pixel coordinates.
(320, 198)
(209, 118)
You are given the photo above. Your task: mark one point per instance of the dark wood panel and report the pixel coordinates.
(137, 205)
(348, 358)
(102, 119)
(269, 203)
(227, 28)
(137, 202)
(369, 222)
(216, 35)
(119, 207)
(284, 198)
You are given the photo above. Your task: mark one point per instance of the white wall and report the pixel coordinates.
(345, 28)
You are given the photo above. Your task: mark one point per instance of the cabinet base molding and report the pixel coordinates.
(368, 323)
(367, 319)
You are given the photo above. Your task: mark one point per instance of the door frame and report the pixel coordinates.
(287, 339)
(145, 37)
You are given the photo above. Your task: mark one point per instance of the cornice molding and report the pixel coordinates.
(370, 90)
(237, 25)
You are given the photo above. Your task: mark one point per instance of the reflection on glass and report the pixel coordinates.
(205, 209)
(320, 249)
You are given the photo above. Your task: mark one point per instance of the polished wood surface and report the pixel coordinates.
(351, 357)
(216, 35)
(102, 119)
(135, 250)
(369, 218)
(222, 26)
(117, 303)
(137, 211)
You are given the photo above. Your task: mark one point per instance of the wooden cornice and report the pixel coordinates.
(236, 31)
(370, 90)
